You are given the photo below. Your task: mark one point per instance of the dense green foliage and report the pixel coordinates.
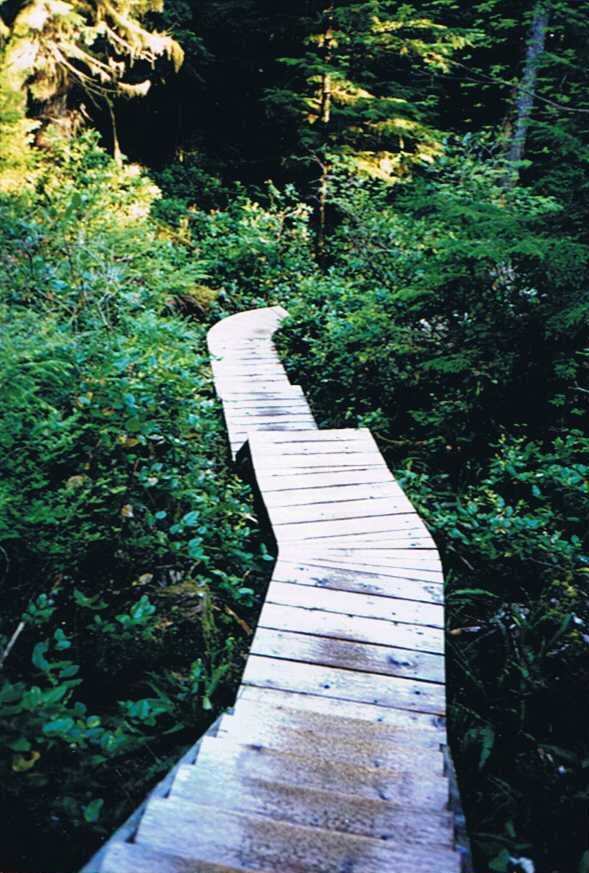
(454, 326)
(438, 294)
(128, 550)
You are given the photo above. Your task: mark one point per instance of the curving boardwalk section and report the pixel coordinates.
(333, 759)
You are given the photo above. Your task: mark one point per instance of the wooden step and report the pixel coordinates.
(285, 423)
(312, 807)
(358, 751)
(316, 703)
(248, 366)
(258, 843)
(410, 782)
(409, 540)
(138, 858)
(362, 657)
(279, 709)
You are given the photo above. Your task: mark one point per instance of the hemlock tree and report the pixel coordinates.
(50, 47)
(527, 87)
(354, 93)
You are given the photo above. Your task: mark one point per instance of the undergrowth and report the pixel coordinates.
(132, 564)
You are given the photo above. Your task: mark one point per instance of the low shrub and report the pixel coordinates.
(453, 325)
(131, 561)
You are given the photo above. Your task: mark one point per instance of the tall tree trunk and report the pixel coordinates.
(526, 90)
(324, 119)
(116, 146)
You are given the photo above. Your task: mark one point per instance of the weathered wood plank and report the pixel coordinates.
(246, 367)
(251, 386)
(272, 416)
(293, 422)
(279, 709)
(368, 713)
(263, 382)
(417, 638)
(255, 393)
(338, 435)
(243, 432)
(277, 480)
(263, 354)
(392, 540)
(327, 462)
(259, 843)
(348, 655)
(414, 787)
(377, 540)
(135, 858)
(366, 582)
(398, 526)
(390, 691)
(358, 752)
(356, 604)
(384, 555)
(313, 807)
(416, 573)
(305, 446)
(341, 510)
(309, 497)
(294, 397)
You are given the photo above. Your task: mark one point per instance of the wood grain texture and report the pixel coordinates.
(380, 583)
(391, 691)
(312, 705)
(342, 493)
(314, 807)
(262, 844)
(275, 480)
(278, 709)
(356, 603)
(417, 638)
(362, 657)
(363, 751)
(405, 784)
(139, 858)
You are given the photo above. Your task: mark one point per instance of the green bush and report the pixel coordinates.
(130, 558)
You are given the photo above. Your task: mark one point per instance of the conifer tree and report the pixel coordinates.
(353, 91)
(49, 47)
(526, 91)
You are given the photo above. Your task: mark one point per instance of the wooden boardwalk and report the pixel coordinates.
(333, 758)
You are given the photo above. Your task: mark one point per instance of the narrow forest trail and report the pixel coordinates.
(333, 760)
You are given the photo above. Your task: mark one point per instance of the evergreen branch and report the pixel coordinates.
(496, 80)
